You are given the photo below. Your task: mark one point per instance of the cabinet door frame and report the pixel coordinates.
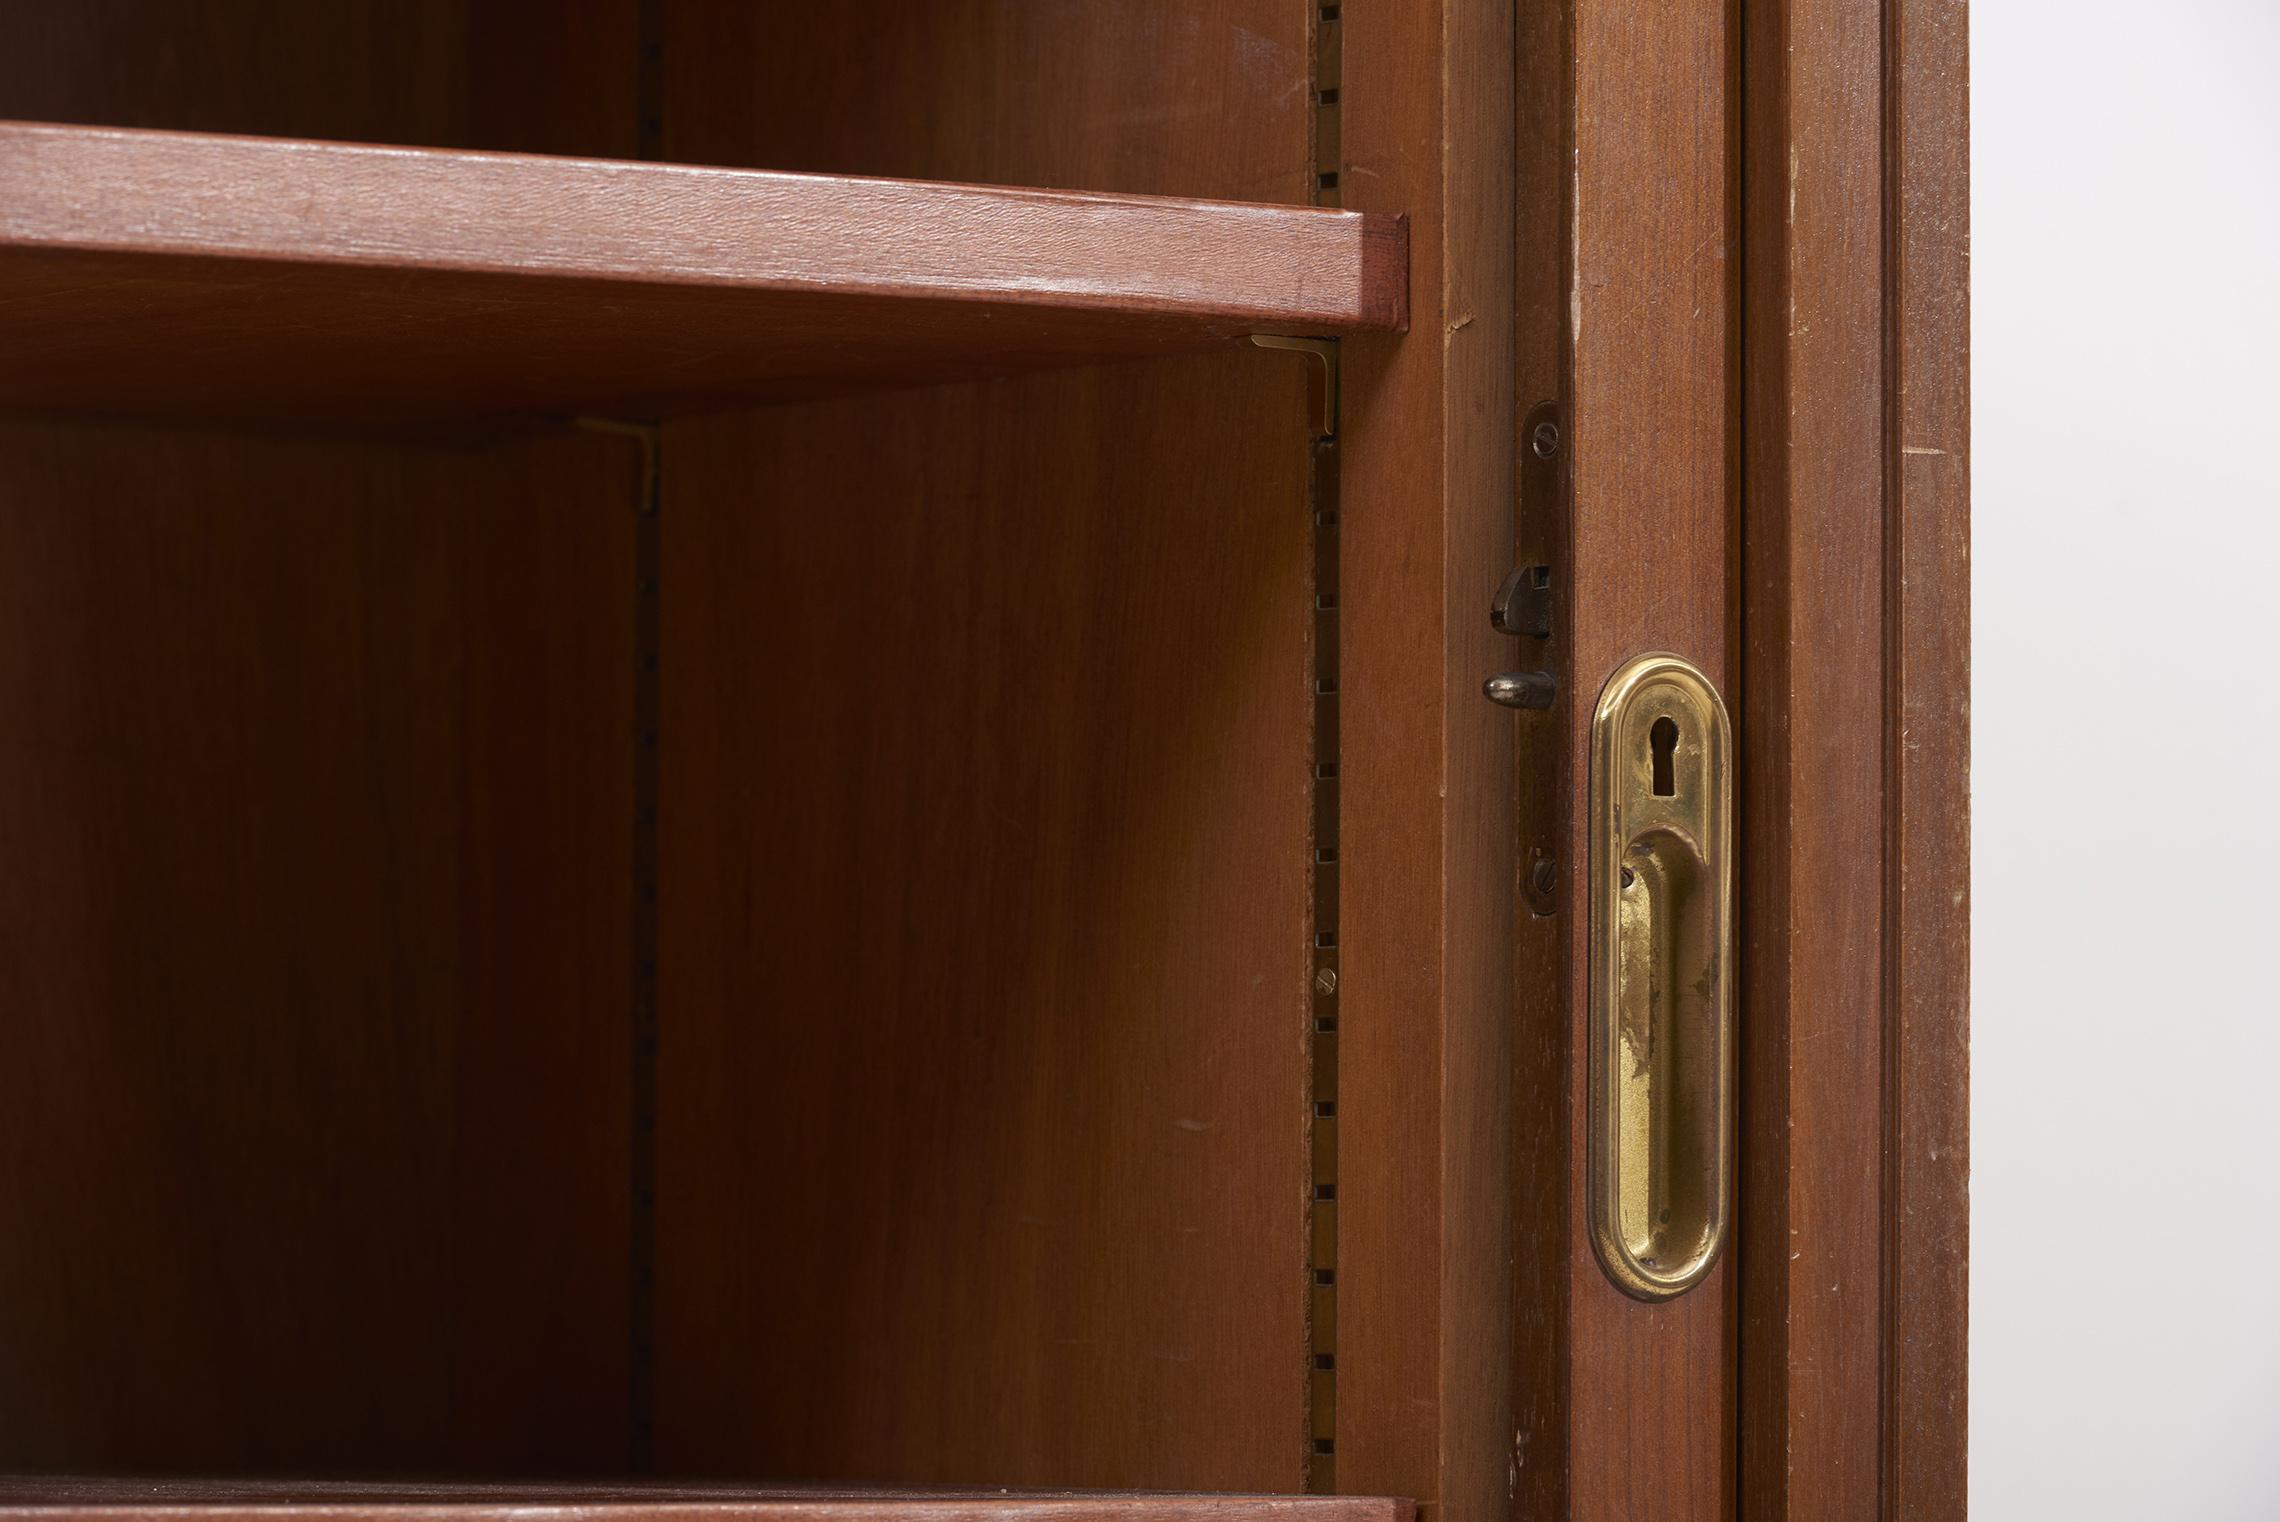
(1757, 215)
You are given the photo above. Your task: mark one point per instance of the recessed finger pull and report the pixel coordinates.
(1661, 1002)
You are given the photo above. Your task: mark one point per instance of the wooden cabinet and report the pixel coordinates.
(709, 785)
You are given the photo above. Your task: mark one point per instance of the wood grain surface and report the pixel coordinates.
(164, 272)
(983, 961)
(990, 815)
(1856, 811)
(44, 1499)
(982, 1073)
(447, 73)
(986, 823)
(1811, 722)
(317, 759)
(1207, 98)
(1629, 1406)
(312, 794)
(1927, 640)
(1425, 776)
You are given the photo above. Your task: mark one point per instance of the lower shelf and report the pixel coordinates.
(43, 1498)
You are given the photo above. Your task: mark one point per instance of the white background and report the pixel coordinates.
(2125, 1255)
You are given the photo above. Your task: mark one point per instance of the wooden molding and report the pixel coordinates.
(1855, 718)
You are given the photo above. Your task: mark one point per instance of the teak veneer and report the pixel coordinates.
(661, 839)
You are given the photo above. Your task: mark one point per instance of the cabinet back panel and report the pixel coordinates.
(983, 929)
(987, 743)
(315, 806)
(984, 938)
(1199, 98)
(436, 73)
(315, 800)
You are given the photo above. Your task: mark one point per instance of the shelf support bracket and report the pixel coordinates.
(1325, 350)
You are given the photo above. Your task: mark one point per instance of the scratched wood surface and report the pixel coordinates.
(1812, 723)
(315, 808)
(985, 819)
(169, 273)
(1927, 638)
(1856, 812)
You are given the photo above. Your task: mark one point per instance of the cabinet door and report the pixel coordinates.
(1741, 434)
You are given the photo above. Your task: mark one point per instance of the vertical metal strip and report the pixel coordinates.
(1322, 1242)
(1322, 864)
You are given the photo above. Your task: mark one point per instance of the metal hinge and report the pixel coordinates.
(1523, 605)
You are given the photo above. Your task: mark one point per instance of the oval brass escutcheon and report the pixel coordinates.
(1661, 1011)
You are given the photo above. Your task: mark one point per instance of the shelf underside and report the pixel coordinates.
(40, 1499)
(179, 274)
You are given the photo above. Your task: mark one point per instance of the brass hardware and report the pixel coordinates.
(1661, 960)
(1325, 350)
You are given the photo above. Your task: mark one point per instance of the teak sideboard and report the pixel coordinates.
(986, 761)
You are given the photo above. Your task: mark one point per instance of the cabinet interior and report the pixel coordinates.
(781, 943)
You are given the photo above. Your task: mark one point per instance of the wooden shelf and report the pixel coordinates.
(163, 273)
(42, 1499)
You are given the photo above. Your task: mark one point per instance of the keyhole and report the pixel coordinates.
(1664, 738)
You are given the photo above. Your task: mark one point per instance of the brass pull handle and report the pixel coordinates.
(1661, 1015)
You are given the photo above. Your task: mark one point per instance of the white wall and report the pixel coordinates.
(2125, 1320)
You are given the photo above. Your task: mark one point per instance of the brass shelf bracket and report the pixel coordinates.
(1325, 350)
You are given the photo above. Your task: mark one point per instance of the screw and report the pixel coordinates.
(1542, 875)
(1546, 440)
(1326, 981)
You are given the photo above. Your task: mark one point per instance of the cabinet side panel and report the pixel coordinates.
(314, 800)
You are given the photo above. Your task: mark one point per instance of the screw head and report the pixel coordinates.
(1542, 875)
(1326, 981)
(1545, 440)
